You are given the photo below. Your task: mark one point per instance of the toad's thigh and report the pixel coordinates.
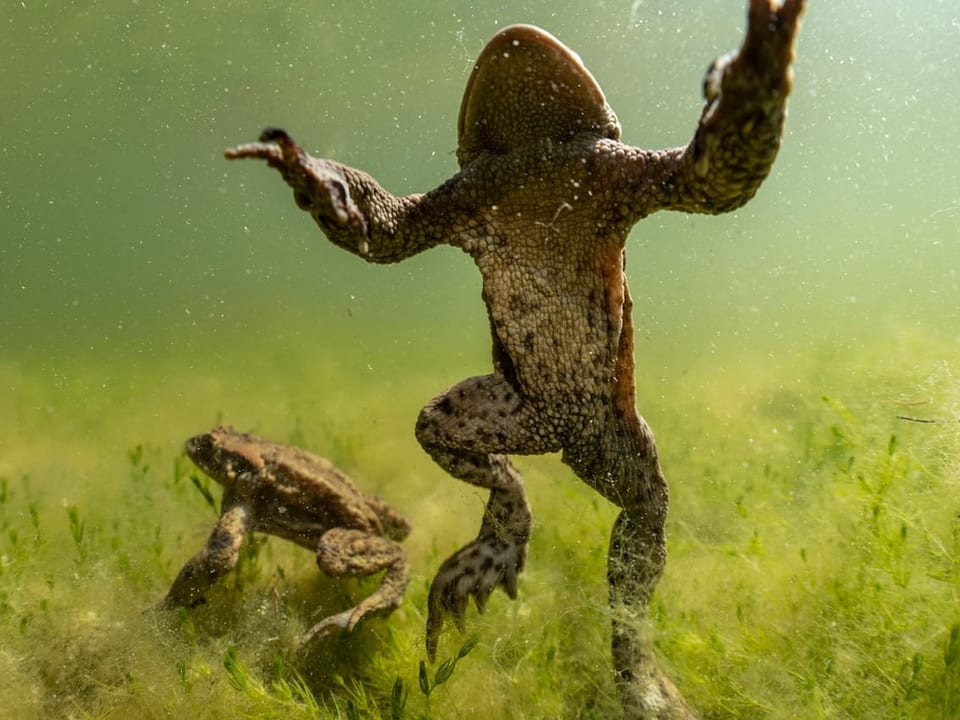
(486, 414)
(343, 552)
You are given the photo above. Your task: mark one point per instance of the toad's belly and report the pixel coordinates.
(563, 358)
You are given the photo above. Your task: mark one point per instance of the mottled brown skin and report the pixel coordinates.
(544, 200)
(286, 491)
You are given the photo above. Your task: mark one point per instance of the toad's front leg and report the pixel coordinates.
(352, 208)
(319, 187)
(217, 558)
(352, 553)
(746, 93)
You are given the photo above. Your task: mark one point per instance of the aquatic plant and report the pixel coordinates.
(815, 571)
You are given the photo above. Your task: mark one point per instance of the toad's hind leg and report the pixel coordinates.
(351, 553)
(622, 465)
(467, 430)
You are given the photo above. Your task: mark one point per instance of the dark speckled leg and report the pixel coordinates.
(622, 465)
(467, 430)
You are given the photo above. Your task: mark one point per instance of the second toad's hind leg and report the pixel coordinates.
(466, 431)
(352, 553)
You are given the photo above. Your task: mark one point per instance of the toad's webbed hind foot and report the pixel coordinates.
(476, 569)
(493, 560)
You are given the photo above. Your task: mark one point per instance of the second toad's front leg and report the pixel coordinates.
(217, 558)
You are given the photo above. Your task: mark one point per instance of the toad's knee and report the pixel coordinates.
(425, 429)
(430, 421)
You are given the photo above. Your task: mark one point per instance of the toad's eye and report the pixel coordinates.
(201, 445)
(238, 465)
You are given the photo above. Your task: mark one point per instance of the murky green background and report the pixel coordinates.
(125, 234)
(148, 287)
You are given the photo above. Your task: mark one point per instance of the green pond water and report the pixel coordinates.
(785, 354)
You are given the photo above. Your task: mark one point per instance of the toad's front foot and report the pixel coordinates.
(319, 186)
(761, 68)
(746, 92)
(493, 560)
(771, 30)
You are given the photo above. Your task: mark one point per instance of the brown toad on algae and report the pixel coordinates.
(291, 493)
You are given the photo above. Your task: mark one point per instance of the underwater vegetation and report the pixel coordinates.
(814, 568)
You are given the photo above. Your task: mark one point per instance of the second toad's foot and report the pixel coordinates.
(319, 187)
(493, 560)
(328, 626)
(382, 602)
